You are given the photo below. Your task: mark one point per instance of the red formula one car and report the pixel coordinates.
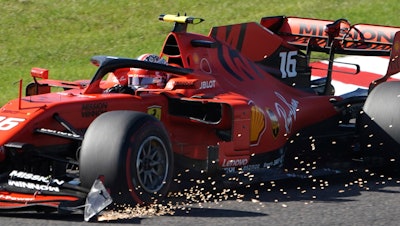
(240, 99)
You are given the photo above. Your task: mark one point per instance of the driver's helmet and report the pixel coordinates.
(118, 77)
(143, 78)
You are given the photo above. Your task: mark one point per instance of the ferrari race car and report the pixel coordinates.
(240, 100)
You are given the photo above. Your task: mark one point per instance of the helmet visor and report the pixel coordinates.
(141, 81)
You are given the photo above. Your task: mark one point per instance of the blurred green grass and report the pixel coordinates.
(63, 35)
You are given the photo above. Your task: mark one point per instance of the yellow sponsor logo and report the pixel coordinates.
(154, 111)
(274, 122)
(257, 124)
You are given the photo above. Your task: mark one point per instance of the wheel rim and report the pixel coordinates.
(152, 164)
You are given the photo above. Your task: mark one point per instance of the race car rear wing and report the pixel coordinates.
(320, 35)
(339, 37)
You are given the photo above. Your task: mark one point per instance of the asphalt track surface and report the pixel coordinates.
(355, 198)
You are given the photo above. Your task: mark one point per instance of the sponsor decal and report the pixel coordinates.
(12, 198)
(274, 122)
(207, 84)
(253, 167)
(34, 181)
(276, 162)
(33, 186)
(368, 34)
(287, 111)
(234, 162)
(119, 78)
(257, 126)
(30, 176)
(155, 111)
(230, 170)
(180, 84)
(93, 109)
(244, 168)
(56, 132)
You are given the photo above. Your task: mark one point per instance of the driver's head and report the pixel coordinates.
(152, 58)
(146, 78)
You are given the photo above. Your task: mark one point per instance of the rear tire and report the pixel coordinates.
(133, 153)
(379, 123)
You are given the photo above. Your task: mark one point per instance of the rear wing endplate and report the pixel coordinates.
(394, 62)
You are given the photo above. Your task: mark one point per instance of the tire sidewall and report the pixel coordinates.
(138, 134)
(109, 149)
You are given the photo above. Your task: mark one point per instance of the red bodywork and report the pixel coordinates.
(244, 90)
(261, 111)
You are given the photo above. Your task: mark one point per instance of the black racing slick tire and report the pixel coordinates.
(132, 151)
(379, 123)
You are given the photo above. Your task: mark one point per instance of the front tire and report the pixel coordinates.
(133, 153)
